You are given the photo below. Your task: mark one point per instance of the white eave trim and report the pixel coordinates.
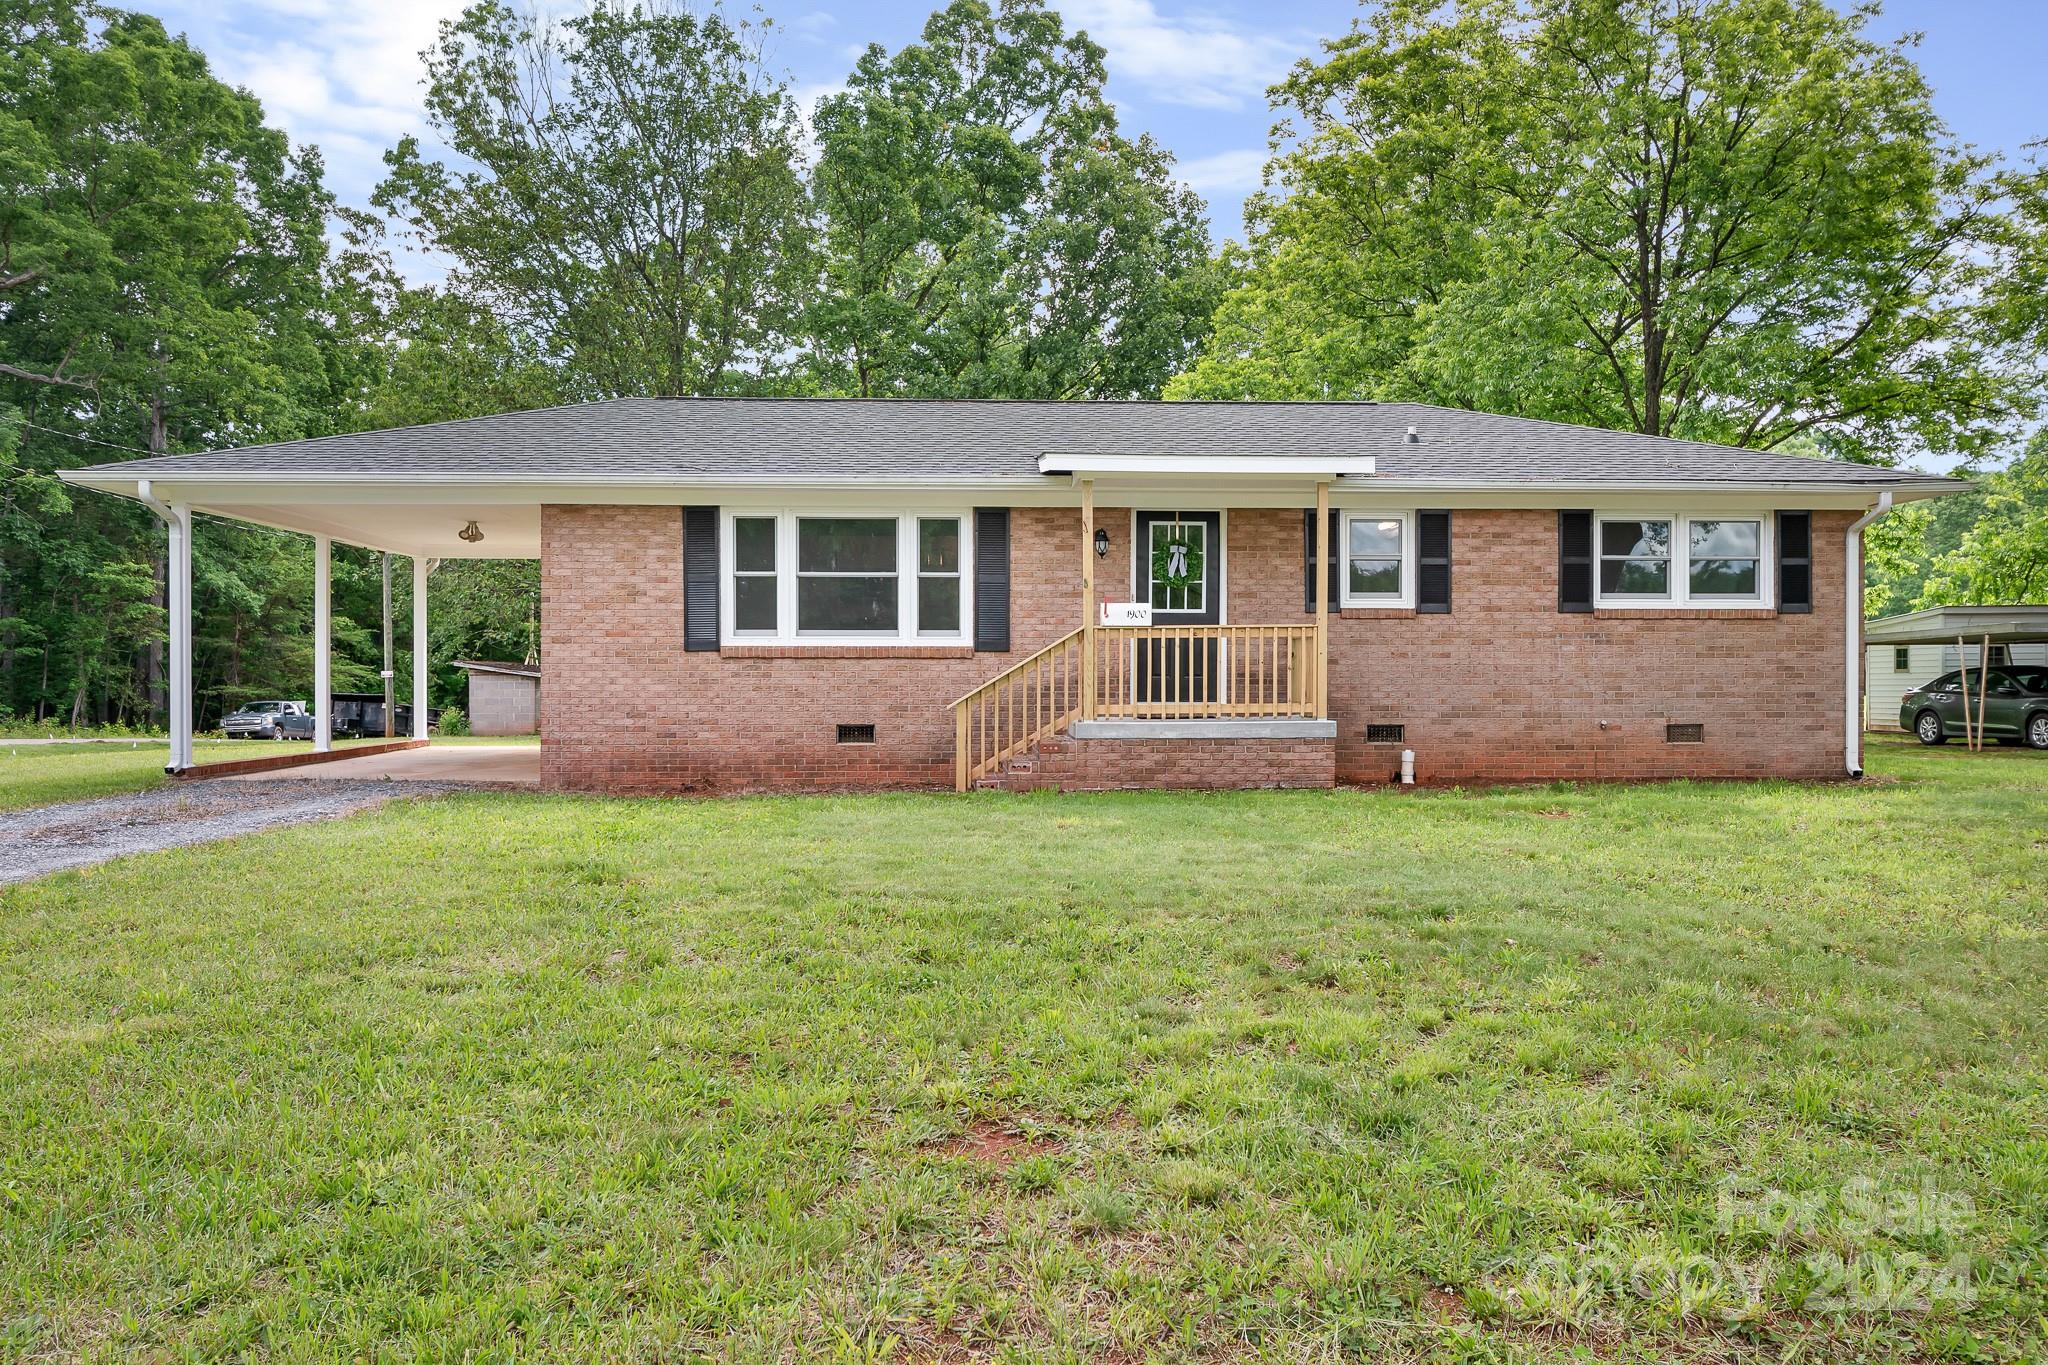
(1210, 466)
(1227, 468)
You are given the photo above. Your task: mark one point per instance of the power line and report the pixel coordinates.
(88, 440)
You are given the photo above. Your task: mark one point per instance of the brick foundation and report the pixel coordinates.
(1503, 689)
(1093, 765)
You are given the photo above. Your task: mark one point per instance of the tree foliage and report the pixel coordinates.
(1987, 546)
(163, 287)
(987, 229)
(629, 199)
(1730, 220)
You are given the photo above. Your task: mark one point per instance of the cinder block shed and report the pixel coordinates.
(504, 698)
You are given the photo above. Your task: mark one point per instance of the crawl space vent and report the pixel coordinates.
(856, 734)
(1685, 734)
(1385, 734)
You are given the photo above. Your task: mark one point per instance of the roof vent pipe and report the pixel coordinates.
(1414, 437)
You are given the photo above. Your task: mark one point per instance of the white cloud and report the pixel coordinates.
(1198, 59)
(344, 75)
(1235, 172)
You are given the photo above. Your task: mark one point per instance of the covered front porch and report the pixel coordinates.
(1162, 669)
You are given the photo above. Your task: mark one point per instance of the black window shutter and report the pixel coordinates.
(1433, 562)
(1575, 561)
(992, 580)
(1795, 562)
(700, 578)
(1308, 560)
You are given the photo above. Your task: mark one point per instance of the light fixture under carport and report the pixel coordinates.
(471, 533)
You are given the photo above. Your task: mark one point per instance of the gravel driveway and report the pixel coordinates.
(74, 833)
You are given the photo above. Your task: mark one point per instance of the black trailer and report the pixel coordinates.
(358, 714)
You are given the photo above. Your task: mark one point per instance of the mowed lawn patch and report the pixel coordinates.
(1622, 1073)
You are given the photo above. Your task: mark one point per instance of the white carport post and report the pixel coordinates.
(177, 520)
(323, 644)
(420, 569)
(181, 635)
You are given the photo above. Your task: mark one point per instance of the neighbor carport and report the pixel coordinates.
(1963, 627)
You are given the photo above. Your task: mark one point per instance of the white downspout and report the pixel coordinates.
(1852, 636)
(323, 644)
(177, 519)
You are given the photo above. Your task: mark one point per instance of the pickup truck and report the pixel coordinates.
(261, 719)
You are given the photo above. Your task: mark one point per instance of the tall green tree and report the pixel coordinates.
(1987, 546)
(163, 287)
(628, 203)
(1733, 220)
(988, 231)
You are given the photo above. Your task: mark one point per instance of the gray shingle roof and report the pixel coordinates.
(708, 439)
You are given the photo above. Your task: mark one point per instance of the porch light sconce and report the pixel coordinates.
(1102, 544)
(471, 533)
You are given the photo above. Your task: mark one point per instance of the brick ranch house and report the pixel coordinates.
(788, 594)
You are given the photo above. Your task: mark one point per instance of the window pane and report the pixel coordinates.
(845, 545)
(753, 544)
(1636, 577)
(938, 545)
(1725, 539)
(1376, 538)
(938, 604)
(1375, 576)
(1724, 577)
(753, 602)
(846, 603)
(1650, 539)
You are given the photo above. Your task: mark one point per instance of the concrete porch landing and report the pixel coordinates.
(505, 765)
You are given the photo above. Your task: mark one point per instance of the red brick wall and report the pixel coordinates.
(1507, 689)
(1502, 689)
(1088, 765)
(625, 709)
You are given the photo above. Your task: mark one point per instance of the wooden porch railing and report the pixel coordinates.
(1207, 672)
(1246, 672)
(1015, 710)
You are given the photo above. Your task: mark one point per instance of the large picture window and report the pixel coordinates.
(1378, 552)
(846, 575)
(854, 577)
(1673, 560)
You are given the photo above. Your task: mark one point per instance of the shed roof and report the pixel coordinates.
(496, 666)
(2005, 624)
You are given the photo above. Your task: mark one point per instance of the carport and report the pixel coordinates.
(1983, 627)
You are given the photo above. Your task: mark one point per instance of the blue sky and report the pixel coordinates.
(344, 74)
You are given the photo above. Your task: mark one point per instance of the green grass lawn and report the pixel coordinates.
(1677, 1072)
(36, 775)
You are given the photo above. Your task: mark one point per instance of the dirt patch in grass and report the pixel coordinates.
(998, 1143)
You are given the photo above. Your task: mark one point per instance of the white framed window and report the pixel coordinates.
(1667, 560)
(755, 598)
(940, 575)
(844, 576)
(1724, 559)
(1379, 559)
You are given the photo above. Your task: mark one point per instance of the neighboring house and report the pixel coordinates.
(1916, 647)
(504, 699)
(777, 594)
